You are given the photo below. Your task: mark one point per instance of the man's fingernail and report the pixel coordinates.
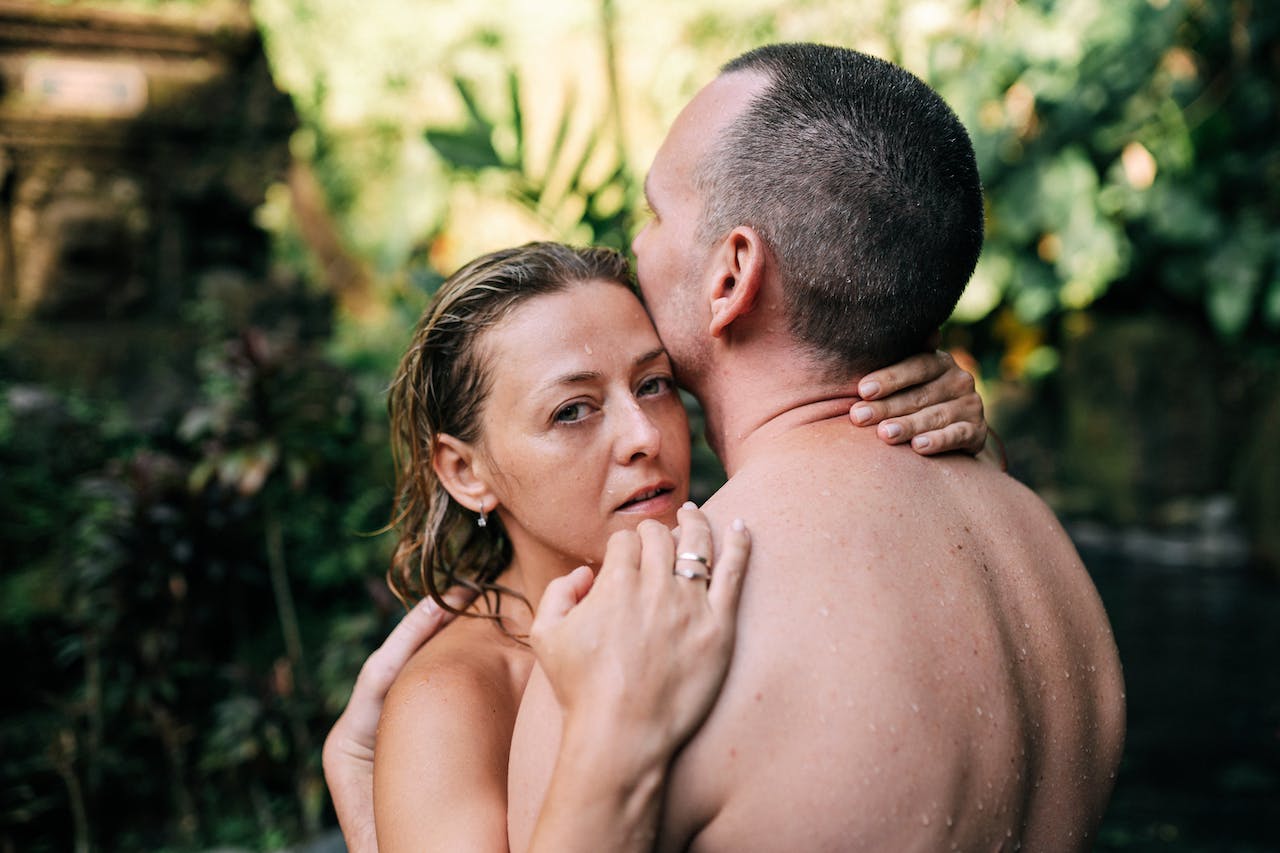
(892, 430)
(862, 414)
(688, 505)
(921, 442)
(869, 389)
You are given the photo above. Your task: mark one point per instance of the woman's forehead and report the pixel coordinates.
(595, 324)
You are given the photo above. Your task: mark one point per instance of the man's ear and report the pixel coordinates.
(740, 278)
(462, 473)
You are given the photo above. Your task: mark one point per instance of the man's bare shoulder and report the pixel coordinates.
(899, 618)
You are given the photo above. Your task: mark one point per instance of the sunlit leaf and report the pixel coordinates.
(465, 149)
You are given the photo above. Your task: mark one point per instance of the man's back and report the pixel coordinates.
(922, 663)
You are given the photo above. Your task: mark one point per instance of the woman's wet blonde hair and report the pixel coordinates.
(441, 387)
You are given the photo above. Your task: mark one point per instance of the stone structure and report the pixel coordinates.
(135, 145)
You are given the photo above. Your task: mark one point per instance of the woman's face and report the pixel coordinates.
(583, 433)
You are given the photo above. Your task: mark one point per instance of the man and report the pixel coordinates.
(923, 662)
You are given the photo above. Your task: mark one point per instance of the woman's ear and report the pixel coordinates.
(743, 257)
(461, 473)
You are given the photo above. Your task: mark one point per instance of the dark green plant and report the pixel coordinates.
(174, 595)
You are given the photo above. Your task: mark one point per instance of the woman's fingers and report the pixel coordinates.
(940, 414)
(731, 568)
(960, 435)
(561, 596)
(910, 372)
(694, 553)
(658, 550)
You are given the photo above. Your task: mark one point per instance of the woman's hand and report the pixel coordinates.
(636, 666)
(926, 399)
(348, 750)
(650, 645)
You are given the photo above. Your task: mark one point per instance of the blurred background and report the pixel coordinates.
(219, 221)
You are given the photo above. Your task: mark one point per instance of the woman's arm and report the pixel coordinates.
(636, 667)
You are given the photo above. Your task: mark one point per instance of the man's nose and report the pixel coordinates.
(638, 435)
(635, 241)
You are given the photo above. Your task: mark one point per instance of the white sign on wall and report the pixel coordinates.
(85, 87)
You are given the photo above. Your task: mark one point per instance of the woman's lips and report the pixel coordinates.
(652, 501)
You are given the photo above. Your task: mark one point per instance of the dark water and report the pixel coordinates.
(1201, 653)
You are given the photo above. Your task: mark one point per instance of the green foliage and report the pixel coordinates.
(1128, 154)
(176, 597)
(586, 209)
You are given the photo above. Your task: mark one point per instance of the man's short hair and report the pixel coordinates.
(863, 183)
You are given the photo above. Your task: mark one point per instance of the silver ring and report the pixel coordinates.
(689, 555)
(691, 574)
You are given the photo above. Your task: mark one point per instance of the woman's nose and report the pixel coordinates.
(638, 435)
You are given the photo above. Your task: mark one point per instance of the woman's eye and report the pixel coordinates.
(571, 413)
(654, 385)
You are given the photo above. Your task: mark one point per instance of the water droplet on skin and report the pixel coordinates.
(924, 820)
(586, 348)
(915, 707)
(1026, 624)
(979, 710)
(822, 611)
(950, 821)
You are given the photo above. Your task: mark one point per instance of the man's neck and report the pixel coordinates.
(747, 411)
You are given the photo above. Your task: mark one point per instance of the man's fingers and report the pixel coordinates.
(731, 568)
(915, 370)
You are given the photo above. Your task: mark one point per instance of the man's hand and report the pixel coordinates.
(348, 750)
(926, 399)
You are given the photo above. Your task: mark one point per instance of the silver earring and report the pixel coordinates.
(482, 521)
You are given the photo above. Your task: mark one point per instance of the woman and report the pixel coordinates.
(536, 417)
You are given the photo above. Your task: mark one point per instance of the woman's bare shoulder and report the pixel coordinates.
(443, 741)
(470, 669)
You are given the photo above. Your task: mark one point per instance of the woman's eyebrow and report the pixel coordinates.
(651, 355)
(580, 376)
